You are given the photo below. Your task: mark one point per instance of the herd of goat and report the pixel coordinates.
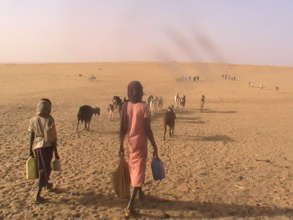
(155, 104)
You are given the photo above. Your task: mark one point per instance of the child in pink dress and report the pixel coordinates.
(136, 124)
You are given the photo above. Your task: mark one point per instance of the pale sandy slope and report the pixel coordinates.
(232, 162)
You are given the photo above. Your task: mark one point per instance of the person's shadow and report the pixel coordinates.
(166, 206)
(211, 210)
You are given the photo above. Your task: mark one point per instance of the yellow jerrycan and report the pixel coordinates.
(31, 168)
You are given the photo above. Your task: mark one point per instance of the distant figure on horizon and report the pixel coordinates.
(261, 86)
(136, 126)
(43, 143)
(202, 102)
(176, 100)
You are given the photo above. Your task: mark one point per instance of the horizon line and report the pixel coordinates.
(139, 61)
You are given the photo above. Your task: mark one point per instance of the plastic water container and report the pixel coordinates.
(31, 168)
(158, 169)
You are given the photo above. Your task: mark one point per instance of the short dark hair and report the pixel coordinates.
(46, 100)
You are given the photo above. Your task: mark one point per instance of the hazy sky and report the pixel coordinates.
(234, 31)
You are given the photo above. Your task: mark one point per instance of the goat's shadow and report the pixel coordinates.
(158, 115)
(189, 120)
(217, 111)
(214, 138)
(85, 132)
(204, 209)
(196, 122)
(111, 132)
(184, 112)
(178, 112)
(192, 121)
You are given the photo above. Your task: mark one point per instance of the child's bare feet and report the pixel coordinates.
(130, 212)
(49, 186)
(39, 200)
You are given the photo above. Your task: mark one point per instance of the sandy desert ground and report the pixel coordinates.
(234, 161)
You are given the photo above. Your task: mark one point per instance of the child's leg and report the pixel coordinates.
(48, 160)
(132, 198)
(141, 194)
(42, 183)
(38, 197)
(41, 175)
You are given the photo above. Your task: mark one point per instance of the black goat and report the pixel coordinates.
(169, 120)
(85, 114)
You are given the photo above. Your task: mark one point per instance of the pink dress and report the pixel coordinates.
(137, 142)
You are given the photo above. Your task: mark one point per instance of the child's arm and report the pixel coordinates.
(31, 141)
(122, 136)
(150, 136)
(31, 136)
(55, 143)
(56, 151)
(123, 127)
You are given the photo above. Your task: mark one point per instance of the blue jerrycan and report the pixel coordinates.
(158, 169)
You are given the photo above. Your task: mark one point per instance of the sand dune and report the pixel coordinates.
(233, 161)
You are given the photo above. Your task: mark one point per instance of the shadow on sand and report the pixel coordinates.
(189, 120)
(184, 112)
(158, 115)
(212, 210)
(220, 112)
(223, 138)
(192, 121)
(178, 112)
(113, 132)
(214, 138)
(84, 132)
(203, 209)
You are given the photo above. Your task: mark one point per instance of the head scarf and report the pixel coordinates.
(44, 107)
(135, 91)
